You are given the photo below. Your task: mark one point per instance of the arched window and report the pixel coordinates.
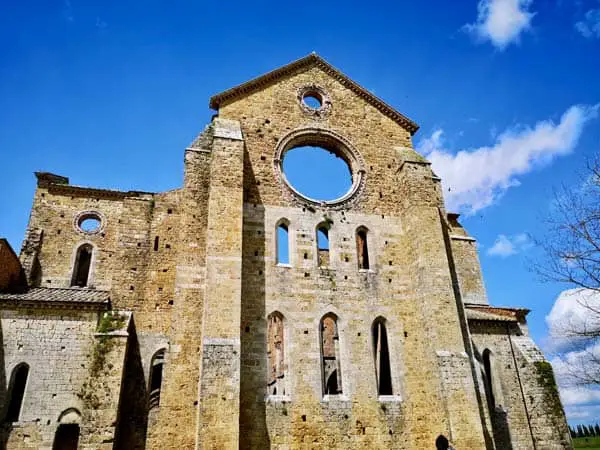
(81, 268)
(330, 356)
(276, 354)
(323, 244)
(67, 433)
(381, 354)
(362, 250)
(156, 375)
(283, 243)
(18, 383)
(488, 380)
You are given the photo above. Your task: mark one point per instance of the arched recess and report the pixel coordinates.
(493, 388)
(277, 367)
(67, 432)
(82, 265)
(156, 376)
(362, 248)
(331, 368)
(16, 392)
(381, 356)
(282, 239)
(323, 244)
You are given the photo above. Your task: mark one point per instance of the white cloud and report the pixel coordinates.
(589, 27)
(579, 396)
(574, 310)
(501, 21)
(476, 178)
(506, 246)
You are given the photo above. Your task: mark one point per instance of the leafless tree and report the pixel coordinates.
(571, 255)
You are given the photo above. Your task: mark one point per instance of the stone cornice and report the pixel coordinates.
(79, 191)
(312, 60)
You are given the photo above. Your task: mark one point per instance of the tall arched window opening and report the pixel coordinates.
(276, 354)
(18, 383)
(382, 358)
(330, 356)
(362, 249)
(81, 269)
(66, 437)
(283, 243)
(323, 244)
(488, 381)
(156, 375)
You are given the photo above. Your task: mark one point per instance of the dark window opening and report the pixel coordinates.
(81, 270)
(66, 437)
(17, 392)
(323, 245)
(156, 244)
(156, 375)
(362, 249)
(283, 246)
(276, 354)
(382, 358)
(330, 356)
(487, 367)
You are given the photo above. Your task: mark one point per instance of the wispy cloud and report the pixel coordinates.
(589, 27)
(475, 178)
(101, 24)
(501, 21)
(68, 11)
(505, 246)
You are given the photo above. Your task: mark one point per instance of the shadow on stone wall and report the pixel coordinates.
(132, 418)
(253, 370)
(5, 428)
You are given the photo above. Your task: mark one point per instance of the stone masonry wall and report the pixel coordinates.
(56, 345)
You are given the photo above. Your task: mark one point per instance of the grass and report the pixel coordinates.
(590, 443)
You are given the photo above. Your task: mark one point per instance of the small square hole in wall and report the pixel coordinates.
(306, 274)
(256, 253)
(260, 272)
(169, 211)
(345, 277)
(168, 246)
(305, 331)
(131, 288)
(306, 256)
(263, 158)
(390, 263)
(139, 244)
(346, 259)
(62, 216)
(303, 418)
(389, 280)
(58, 231)
(406, 334)
(359, 333)
(171, 302)
(258, 183)
(247, 329)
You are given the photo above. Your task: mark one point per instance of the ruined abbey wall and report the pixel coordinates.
(371, 343)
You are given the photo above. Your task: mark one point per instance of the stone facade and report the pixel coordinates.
(165, 320)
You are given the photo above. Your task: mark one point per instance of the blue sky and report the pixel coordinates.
(110, 93)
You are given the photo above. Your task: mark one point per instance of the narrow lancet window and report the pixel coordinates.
(283, 245)
(330, 356)
(362, 249)
(156, 243)
(488, 381)
(323, 245)
(81, 269)
(156, 375)
(276, 355)
(382, 358)
(17, 392)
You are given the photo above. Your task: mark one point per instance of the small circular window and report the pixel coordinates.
(89, 222)
(314, 101)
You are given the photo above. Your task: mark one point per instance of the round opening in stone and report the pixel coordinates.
(89, 224)
(313, 100)
(317, 173)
